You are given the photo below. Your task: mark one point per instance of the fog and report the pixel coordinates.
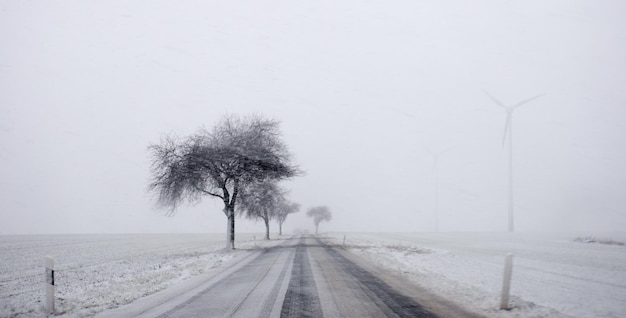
(367, 93)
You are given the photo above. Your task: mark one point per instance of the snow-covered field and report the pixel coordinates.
(553, 275)
(100, 272)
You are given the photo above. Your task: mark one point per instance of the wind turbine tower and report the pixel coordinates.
(508, 131)
(436, 156)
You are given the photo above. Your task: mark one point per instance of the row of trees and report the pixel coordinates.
(240, 161)
(267, 201)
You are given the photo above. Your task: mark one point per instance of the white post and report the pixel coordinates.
(49, 285)
(506, 284)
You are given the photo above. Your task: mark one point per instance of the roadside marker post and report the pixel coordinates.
(506, 283)
(49, 284)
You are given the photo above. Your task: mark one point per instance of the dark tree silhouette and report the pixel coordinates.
(261, 200)
(284, 209)
(319, 214)
(219, 163)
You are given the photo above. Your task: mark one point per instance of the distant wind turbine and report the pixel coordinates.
(508, 131)
(436, 156)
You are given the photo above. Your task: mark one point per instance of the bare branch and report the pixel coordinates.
(211, 194)
(220, 163)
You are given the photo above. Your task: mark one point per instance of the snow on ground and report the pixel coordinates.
(100, 272)
(553, 275)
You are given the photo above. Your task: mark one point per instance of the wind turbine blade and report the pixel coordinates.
(527, 100)
(441, 152)
(495, 100)
(430, 152)
(507, 126)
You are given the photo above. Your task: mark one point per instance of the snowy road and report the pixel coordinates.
(301, 277)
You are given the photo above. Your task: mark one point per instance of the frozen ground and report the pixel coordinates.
(553, 275)
(100, 272)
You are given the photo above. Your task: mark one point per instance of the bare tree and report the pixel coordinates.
(261, 200)
(319, 214)
(284, 209)
(219, 163)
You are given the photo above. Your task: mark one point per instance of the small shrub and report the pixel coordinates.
(591, 239)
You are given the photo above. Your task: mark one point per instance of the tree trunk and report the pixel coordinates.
(316, 226)
(230, 206)
(230, 230)
(280, 228)
(267, 228)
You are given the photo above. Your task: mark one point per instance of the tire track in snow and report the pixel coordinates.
(390, 302)
(273, 298)
(301, 299)
(239, 293)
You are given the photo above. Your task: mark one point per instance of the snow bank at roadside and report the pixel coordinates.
(553, 276)
(101, 272)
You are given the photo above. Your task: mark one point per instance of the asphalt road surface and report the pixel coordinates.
(302, 277)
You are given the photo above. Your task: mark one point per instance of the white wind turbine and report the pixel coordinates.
(508, 131)
(436, 156)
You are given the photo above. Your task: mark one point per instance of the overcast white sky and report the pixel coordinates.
(363, 89)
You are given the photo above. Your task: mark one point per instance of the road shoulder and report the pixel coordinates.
(160, 302)
(434, 303)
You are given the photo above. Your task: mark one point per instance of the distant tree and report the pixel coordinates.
(319, 214)
(261, 200)
(284, 209)
(219, 163)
